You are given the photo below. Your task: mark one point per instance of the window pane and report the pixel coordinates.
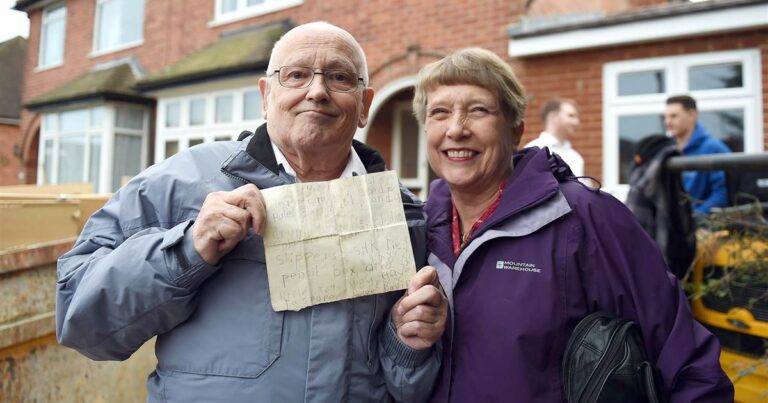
(228, 5)
(194, 142)
(255, 2)
(95, 161)
(129, 118)
(97, 117)
(48, 161)
(727, 125)
(54, 12)
(109, 24)
(252, 105)
(49, 123)
(632, 129)
(71, 158)
(641, 82)
(171, 148)
(197, 112)
(409, 145)
(74, 120)
(132, 22)
(128, 160)
(172, 114)
(53, 42)
(222, 138)
(713, 76)
(223, 108)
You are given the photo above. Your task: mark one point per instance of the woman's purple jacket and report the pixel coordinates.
(553, 252)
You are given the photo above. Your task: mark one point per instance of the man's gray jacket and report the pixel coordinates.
(134, 274)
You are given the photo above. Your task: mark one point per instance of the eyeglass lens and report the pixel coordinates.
(301, 77)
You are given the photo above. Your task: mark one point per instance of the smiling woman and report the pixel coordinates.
(472, 164)
(525, 251)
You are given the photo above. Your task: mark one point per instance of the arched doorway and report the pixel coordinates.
(395, 132)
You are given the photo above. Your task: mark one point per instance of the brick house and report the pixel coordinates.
(12, 56)
(112, 86)
(620, 68)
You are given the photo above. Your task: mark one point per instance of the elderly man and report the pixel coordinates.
(707, 188)
(561, 119)
(177, 253)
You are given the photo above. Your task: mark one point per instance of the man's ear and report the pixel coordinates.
(264, 89)
(367, 99)
(550, 119)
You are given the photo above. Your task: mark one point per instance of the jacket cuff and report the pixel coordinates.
(192, 269)
(402, 354)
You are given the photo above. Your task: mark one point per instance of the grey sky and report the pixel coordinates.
(12, 22)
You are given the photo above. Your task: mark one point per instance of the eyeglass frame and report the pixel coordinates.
(360, 80)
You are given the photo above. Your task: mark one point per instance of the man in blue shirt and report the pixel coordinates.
(707, 188)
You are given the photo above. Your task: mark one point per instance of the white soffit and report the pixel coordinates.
(698, 23)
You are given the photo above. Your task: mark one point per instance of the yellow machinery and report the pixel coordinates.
(731, 278)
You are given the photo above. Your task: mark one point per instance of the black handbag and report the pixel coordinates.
(605, 361)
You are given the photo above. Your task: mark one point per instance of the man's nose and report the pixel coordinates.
(317, 90)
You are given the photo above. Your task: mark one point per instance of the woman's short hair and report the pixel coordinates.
(472, 66)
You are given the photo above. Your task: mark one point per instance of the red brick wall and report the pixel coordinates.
(9, 163)
(543, 8)
(386, 29)
(579, 75)
(175, 28)
(380, 132)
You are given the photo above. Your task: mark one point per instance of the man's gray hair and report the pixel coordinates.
(324, 26)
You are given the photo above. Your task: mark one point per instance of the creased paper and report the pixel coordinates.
(328, 241)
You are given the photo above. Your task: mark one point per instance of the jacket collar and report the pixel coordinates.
(254, 160)
(697, 137)
(534, 180)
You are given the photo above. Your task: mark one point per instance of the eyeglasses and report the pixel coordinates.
(301, 77)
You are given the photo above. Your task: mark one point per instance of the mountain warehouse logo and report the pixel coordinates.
(517, 266)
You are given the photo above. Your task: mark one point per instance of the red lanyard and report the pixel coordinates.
(460, 242)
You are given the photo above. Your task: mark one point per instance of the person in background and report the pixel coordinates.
(177, 253)
(707, 188)
(525, 251)
(561, 120)
(659, 202)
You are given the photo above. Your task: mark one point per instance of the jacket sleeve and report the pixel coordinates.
(718, 196)
(410, 374)
(131, 275)
(626, 275)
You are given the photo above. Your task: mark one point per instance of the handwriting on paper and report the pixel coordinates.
(328, 241)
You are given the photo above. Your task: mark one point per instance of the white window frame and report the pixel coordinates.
(421, 180)
(44, 37)
(114, 130)
(209, 131)
(748, 98)
(95, 51)
(106, 131)
(243, 11)
(47, 133)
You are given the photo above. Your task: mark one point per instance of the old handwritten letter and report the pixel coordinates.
(327, 241)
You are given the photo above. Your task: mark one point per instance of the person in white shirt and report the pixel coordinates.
(561, 119)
